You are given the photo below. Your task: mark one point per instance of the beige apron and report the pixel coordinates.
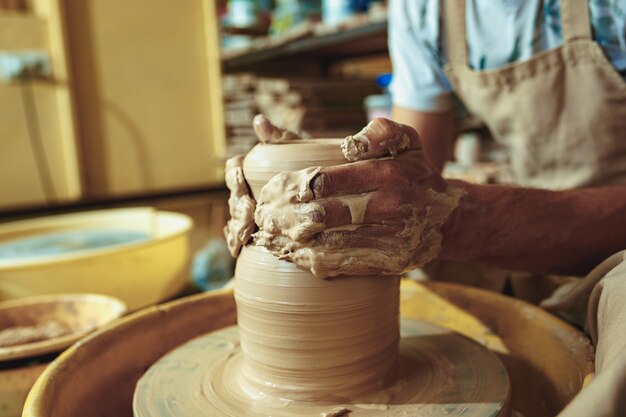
(562, 113)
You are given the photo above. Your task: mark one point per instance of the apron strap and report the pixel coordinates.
(575, 20)
(455, 32)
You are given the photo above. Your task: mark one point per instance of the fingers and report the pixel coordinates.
(381, 137)
(285, 205)
(241, 205)
(334, 256)
(355, 261)
(239, 228)
(268, 133)
(302, 221)
(235, 180)
(360, 177)
(297, 221)
(294, 204)
(371, 208)
(344, 179)
(373, 236)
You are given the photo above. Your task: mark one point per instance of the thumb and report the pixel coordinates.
(381, 137)
(268, 133)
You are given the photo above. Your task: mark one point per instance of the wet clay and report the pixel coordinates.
(311, 347)
(290, 235)
(304, 339)
(240, 226)
(440, 373)
(289, 217)
(311, 340)
(358, 147)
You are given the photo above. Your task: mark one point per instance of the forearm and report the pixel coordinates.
(562, 232)
(437, 132)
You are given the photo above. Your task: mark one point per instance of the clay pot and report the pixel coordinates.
(308, 339)
(304, 338)
(264, 161)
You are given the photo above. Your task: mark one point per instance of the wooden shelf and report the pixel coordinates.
(361, 40)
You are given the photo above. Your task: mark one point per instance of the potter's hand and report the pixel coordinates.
(241, 205)
(380, 214)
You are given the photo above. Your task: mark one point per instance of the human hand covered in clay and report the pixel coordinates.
(239, 228)
(381, 213)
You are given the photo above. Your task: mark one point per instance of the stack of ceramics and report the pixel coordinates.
(315, 107)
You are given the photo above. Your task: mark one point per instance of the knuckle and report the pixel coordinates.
(330, 240)
(383, 128)
(318, 216)
(385, 125)
(320, 184)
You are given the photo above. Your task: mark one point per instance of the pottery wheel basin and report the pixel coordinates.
(547, 360)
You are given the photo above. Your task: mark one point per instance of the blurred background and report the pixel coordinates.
(116, 104)
(116, 119)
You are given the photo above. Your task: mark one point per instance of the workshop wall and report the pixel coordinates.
(123, 101)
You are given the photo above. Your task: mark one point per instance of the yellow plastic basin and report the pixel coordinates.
(140, 273)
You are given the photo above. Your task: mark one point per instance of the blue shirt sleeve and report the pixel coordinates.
(419, 82)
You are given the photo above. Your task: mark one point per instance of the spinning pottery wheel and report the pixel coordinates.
(285, 365)
(310, 347)
(547, 360)
(441, 374)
